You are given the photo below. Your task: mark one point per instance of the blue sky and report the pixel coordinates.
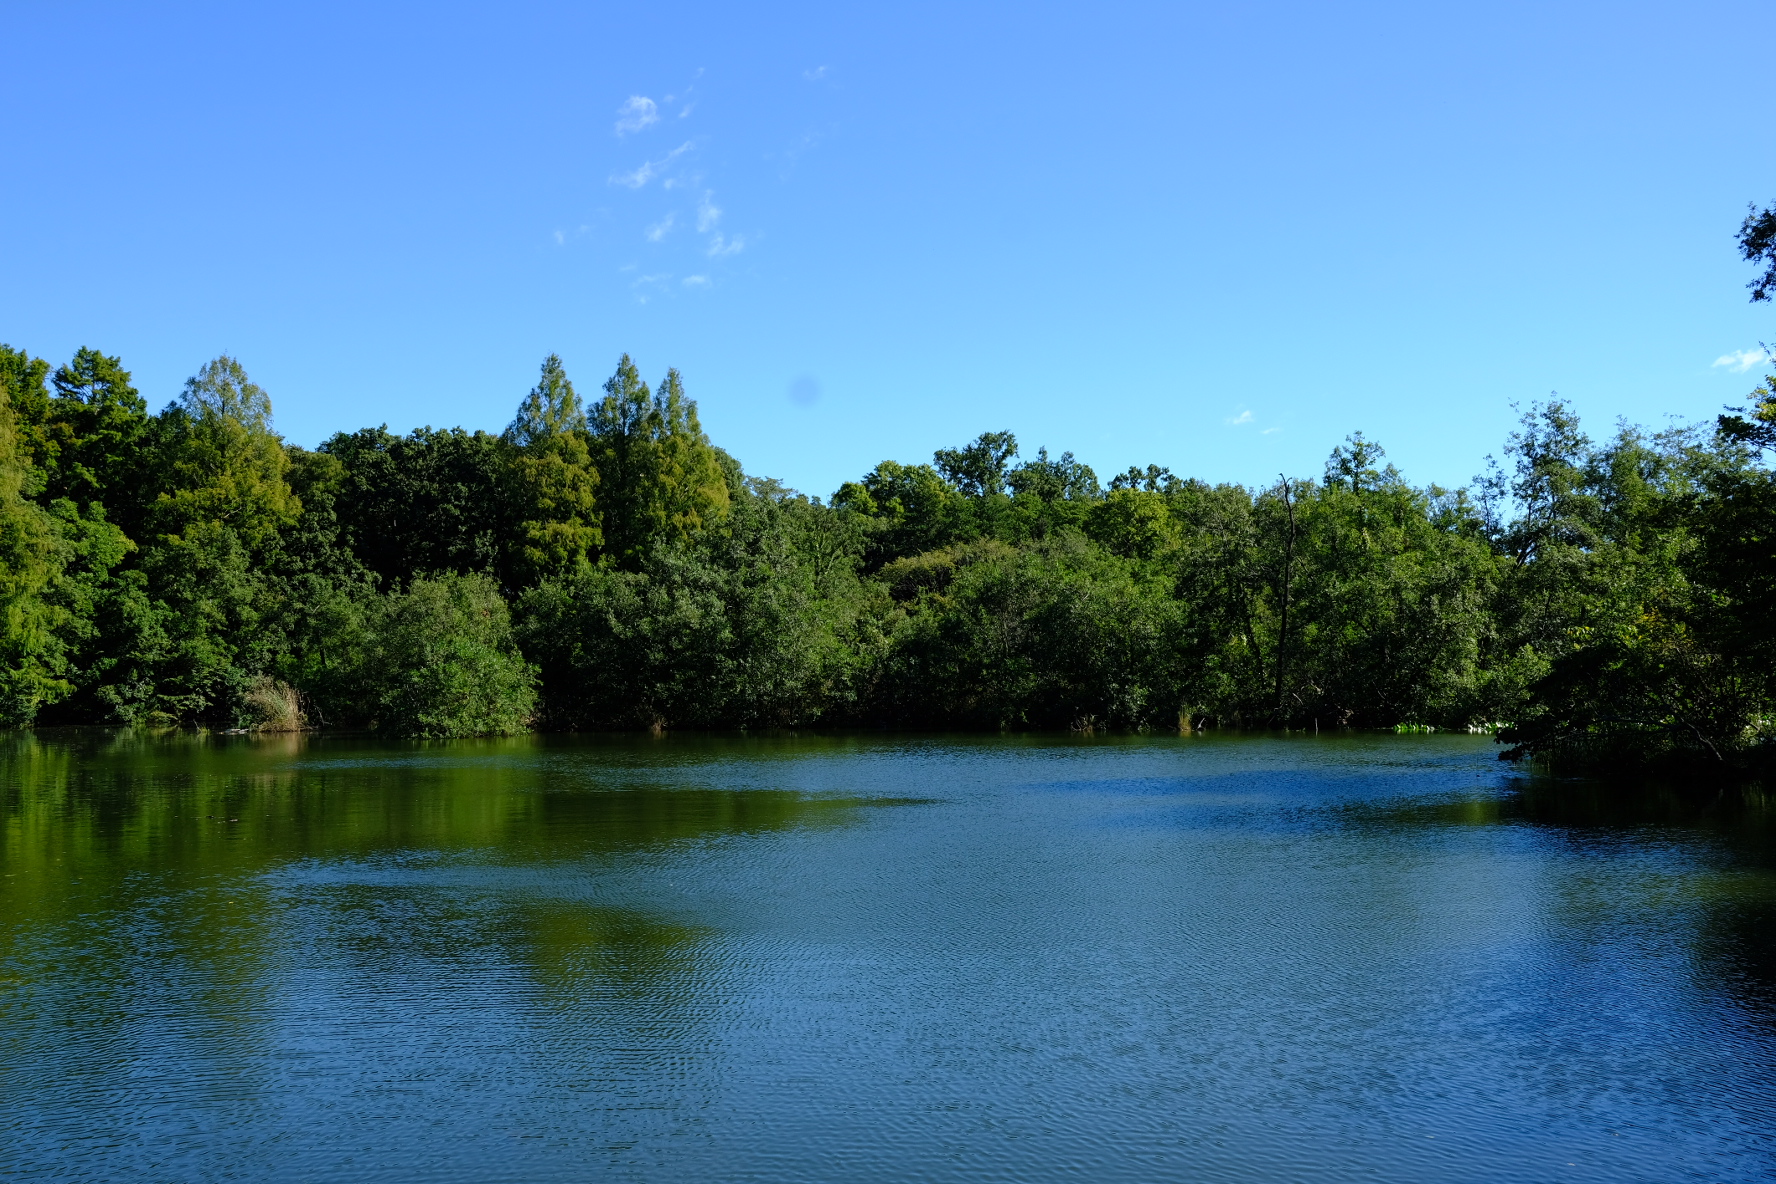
(1213, 237)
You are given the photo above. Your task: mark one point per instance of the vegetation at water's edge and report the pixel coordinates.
(604, 565)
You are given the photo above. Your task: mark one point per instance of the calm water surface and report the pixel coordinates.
(1059, 959)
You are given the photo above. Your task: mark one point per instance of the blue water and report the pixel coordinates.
(1368, 958)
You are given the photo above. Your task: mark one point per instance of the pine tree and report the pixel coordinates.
(31, 653)
(556, 483)
(662, 480)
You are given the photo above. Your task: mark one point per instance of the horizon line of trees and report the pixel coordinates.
(602, 564)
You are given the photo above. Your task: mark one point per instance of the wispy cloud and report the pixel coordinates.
(646, 286)
(720, 247)
(651, 169)
(1741, 360)
(687, 98)
(1242, 417)
(816, 74)
(658, 230)
(696, 281)
(708, 213)
(637, 113)
(1270, 431)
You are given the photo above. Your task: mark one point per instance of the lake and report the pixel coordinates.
(873, 958)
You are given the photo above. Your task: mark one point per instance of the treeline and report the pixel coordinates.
(602, 564)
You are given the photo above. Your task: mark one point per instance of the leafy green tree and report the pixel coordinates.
(744, 626)
(224, 466)
(193, 634)
(1133, 523)
(429, 502)
(56, 558)
(24, 378)
(660, 479)
(551, 409)
(316, 594)
(559, 530)
(439, 660)
(1757, 243)
(98, 426)
(1220, 573)
(1153, 479)
(1654, 663)
(1049, 497)
(1756, 428)
(978, 469)
(909, 509)
(1058, 635)
(30, 560)
(1393, 588)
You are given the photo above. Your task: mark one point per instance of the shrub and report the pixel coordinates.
(272, 706)
(439, 660)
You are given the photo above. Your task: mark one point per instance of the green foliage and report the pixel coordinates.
(1757, 427)
(190, 619)
(1133, 523)
(1609, 601)
(550, 409)
(1391, 597)
(223, 467)
(555, 483)
(28, 398)
(660, 480)
(1049, 497)
(910, 509)
(1648, 604)
(978, 469)
(758, 624)
(428, 502)
(1056, 635)
(1757, 243)
(97, 428)
(438, 660)
(30, 561)
(55, 557)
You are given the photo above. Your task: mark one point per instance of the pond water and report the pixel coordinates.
(873, 959)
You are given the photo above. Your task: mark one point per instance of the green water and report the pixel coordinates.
(873, 958)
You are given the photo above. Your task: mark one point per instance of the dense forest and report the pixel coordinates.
(602, 564)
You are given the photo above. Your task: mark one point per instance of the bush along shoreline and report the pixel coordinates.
(601, 564)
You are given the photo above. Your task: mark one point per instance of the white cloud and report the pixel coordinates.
(720, 247)
(1242, 417)
(658, 230)
(687, 97)
(696, 281)
(708, 213)
(644, 285)
(560, 238)
(1741, 360)
(651, 169)
(637, 113)
(814, 75)
(1270, 431)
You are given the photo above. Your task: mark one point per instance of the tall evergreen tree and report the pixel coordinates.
(30, 652)
(661, 481)
(556, 482)
(98, 425)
